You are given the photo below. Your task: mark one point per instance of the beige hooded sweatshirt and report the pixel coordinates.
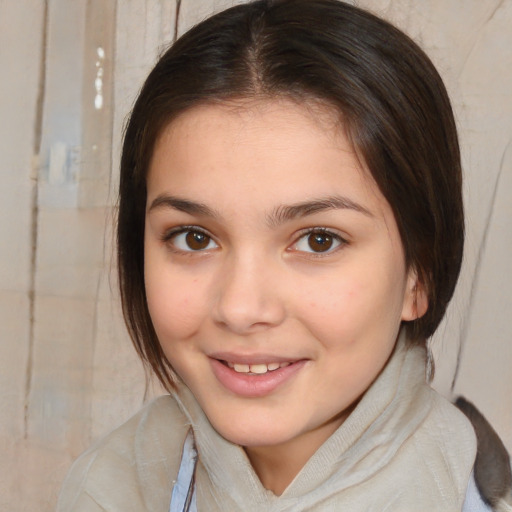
(404, 448)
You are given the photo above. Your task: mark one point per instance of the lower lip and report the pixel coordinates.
(250, 385)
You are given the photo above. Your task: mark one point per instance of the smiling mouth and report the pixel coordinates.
(256, 375)
(255, 369)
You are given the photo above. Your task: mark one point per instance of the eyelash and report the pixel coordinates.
(341, 242)
(168, 237)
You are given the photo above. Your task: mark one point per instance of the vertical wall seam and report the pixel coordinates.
(478, 269)
(113, 57)
(34, 221)
(109, 218)
(177, 19)
(113, 195)
(477, 36)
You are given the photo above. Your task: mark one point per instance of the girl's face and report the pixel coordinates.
(275, 275)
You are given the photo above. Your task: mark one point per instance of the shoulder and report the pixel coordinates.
(467, 443)
(133, 467)
(442, 453)
(449, 430)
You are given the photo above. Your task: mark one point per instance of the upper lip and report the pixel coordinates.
(232, 357)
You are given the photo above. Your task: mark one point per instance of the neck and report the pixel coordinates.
(277, 465)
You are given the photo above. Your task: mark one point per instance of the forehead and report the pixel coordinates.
(243, 119)
(265, 152)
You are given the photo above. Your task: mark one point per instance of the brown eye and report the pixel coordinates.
(320, 242)
(197, 241)
(190, 240)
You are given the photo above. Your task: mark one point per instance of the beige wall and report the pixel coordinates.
(67, 371)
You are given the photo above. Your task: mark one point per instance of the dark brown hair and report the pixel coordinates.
(390, 98)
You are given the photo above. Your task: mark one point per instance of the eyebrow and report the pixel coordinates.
(287, 213)
(280, 215)
(182, 205)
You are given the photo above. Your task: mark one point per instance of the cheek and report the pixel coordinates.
(176, 305)
(343, 309)
(332, 310)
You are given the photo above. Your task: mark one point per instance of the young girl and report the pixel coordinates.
(290, 233)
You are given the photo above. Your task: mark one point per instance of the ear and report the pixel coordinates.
(415, 297)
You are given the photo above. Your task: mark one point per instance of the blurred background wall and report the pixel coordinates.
(69, 73)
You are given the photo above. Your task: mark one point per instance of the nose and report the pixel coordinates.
(248, 298)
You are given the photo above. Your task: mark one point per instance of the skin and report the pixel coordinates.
(258, 286)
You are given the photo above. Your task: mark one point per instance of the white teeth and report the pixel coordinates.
(258, 369)
(241, 368)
